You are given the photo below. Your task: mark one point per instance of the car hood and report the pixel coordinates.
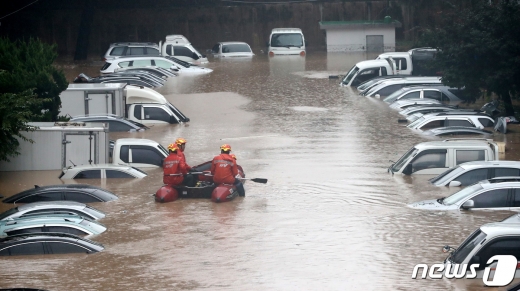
(429, 205)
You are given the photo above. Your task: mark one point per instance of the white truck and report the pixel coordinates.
(178, 46)
(286, 41)
(137, 152)
(410, 63)
(435, 157)
(136, 103)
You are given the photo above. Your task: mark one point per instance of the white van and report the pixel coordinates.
(178, 46)
(286, 41)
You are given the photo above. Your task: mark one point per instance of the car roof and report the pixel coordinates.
(136, 141)
(101, 166)
(134, 44)
(233, 42)
(454, 143)
(500, 229)
(371, 63)
(81, 187)
(455, 129)
(49, 204)
(45, 236)
(489, 164)
(278, 30)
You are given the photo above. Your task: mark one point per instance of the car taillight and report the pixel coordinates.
(271, 54)
(302, 53)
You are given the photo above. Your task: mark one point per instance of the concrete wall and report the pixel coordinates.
(354, 38)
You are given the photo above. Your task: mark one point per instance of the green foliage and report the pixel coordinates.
(480, 49)
(29, 89)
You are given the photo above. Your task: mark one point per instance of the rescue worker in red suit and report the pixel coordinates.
(189, 179)
(224, 169)
(174, 167)
(240, 170)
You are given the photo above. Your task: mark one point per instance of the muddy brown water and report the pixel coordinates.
(330, 217)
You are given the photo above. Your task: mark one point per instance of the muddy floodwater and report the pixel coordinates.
(329, 218)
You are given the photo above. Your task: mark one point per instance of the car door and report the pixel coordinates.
(430, 162)
(23, 248)
(508, 245)
(184, 53)
(459, 122)
(463, 156)
(494, 199)
(410, 95)
(471, 177)
(145, 156)
(515, 199)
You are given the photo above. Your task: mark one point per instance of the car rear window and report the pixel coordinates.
(135, 51)
(236, 48)
(152, 51)
(106, 65)
(117, 174)
(117, 51)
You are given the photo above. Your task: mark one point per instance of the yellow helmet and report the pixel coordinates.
(173, 147)
(180, 141)
(225, 147)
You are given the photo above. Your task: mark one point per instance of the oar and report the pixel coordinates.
(256, 180)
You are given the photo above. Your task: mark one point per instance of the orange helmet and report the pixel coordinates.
(225, 147)
(233, 156)
(173, 147)
(180, 141)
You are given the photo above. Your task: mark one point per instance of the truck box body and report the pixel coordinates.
(56, 146)
(85, 99)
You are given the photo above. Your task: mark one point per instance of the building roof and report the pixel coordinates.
(359, 23)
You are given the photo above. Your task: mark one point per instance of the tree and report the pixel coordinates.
(479, 49)
(30, 86)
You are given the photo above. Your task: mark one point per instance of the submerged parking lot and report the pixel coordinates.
(330, 217)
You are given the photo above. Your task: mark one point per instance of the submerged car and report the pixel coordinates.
(63, 223)
(456, 130)
(167, 62)
(52, 208)
(427, 108)
(403, 104)
(493, 194)
(232, 49)
(471, 172)
(452, 118)
(441, 93)
(387, 87)
(46, 244)
(123, 49)
(115, 123)
(75, 192)
(101, 171)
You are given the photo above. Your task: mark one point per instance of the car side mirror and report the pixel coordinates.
(468, 204)
(408, 169)
(377, 96)
(454, 184)
(174, 68)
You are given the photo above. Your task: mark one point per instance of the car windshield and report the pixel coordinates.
(8, 213)
(392, 97)
(462, 194)
(286, 40)
(416, 122)
(138, 124)
(467, 246)
(449, 174)
(236, 48)
(162, 149)
(400, 163)
(179, 62)
(350, 75)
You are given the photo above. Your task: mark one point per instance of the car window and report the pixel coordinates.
(500, 246)
(492, 199)
(286, 39)
(515, 199)
(467, 246)
(151, 51)
(64, 248)
(117, 174)
(458, 122)
(505, 172)
(163, 64)
(429, 159)
(48, 196)
(117, 51)
(486, 122)
(433, 94)
(216, 48)
(411, 95)
(124, 64)
(169, 50)
(383, 71)
(472, 176)
(142, 63)
(114, 126)
(123, 153)
(154, 113)
(31, 248)
(146, 155)
(137, 112)
(462, 156)
(80, 197)
(182, 51)
(88, 174)
(389, 89)
(365, 75)
(433, 124)
(132, 51)
(236, 48)
(401, 63)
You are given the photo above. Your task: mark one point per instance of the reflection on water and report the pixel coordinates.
(329, 218)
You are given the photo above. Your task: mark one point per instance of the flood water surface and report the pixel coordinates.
(329, 218)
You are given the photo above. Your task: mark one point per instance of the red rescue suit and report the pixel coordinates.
(174, 169)
(180, 153)
(224, 169)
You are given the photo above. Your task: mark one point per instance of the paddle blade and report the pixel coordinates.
(259, 180)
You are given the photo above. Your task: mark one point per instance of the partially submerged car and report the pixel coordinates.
(101, 171)
(413, 117)
(452, 118)
(232, 49)
(388, 87)
(75, 192)
(167, 62)
(403, 104)
(52, 208)
(471, 172)
(441, 93)
(456, 130)
(115, 123)
(493, 194)
(46, 244)
(123, 49)
(63, 223)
